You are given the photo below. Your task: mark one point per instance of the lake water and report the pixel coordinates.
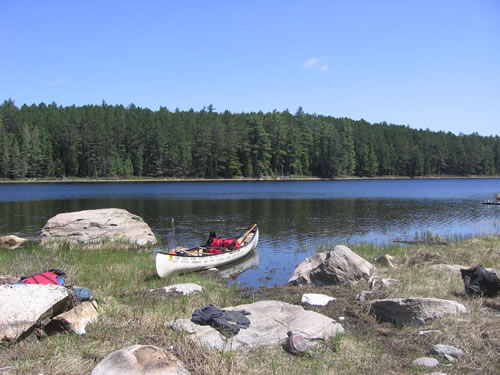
(293, 216)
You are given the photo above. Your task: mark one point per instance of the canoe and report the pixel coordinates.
(197, 258)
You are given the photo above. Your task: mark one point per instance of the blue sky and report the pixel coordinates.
(426, 64)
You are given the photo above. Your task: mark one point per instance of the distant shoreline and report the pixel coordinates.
(68, 180)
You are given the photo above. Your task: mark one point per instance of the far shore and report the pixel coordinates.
(66, 180)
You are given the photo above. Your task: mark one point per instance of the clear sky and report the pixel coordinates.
(427, 64)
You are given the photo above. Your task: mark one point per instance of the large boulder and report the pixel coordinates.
(140, 360)
(22, 306)
(414, 311)
(269, 323)
(95, 226)
(338, 266)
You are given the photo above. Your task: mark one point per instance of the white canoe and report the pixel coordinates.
(167, 264)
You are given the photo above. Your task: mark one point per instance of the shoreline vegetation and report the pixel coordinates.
(42, 180)
(128, 315)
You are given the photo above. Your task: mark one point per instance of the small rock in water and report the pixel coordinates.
(426, 362)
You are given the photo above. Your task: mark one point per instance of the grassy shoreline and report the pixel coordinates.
(128, 316)
(70, 180)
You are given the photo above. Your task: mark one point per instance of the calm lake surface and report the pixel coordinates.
(293, 216)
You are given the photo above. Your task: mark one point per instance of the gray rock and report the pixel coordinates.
(11, 241)
(95, 226)
(316, 299)
(446, 350)
(269, 323)
(23, 305)
(79, 317)
(385, 260)
(414, 311)
(361, 297)
(426, 362)
(338, 266)
(140, 360)
(184, 289)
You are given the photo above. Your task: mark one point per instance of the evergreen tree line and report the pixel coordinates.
(103, 140)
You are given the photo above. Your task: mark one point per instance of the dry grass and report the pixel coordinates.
(129, 316)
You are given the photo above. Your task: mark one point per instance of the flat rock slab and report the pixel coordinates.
(93, 226)
(338, 266)
(184, 289)
(414, 311)
(79, 317)
(269, 323)
(316, 299)
(140, 360)
(23, 305)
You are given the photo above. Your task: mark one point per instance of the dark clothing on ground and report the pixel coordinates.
(479, 281)
(220, 319)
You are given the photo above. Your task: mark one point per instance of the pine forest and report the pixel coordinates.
(104, 141)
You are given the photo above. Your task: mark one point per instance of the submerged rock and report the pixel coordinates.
(269, 323)
(95, 226)
(140, 360)
(338, 266)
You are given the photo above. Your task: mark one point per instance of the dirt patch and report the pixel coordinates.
(422, 256)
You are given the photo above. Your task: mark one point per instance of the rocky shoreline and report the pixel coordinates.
(333, 300)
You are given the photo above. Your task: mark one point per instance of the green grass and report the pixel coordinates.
(128, 316)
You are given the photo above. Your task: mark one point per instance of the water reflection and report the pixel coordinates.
(293, 218)
(233, 270)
